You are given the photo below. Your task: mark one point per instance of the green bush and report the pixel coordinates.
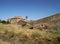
(3, 21)
(0, 20)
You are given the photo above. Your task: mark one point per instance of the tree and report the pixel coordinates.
(7, 22)
(3, 21)
(26, 17)
(0, 20)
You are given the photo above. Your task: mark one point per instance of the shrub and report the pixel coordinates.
(58, 39)
(53, 32)
(23, 25)
(3, 21)
(36, 34)
(31, 27)
(10, 34)
(8, 22)
(0, 20)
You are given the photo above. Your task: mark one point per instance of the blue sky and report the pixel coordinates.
(34, 9)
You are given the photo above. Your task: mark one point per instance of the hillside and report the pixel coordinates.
(50, 19)
(42, 31)
(53, 21)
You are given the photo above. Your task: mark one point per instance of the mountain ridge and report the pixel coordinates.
(52, 21)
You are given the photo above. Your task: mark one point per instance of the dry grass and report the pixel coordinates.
(4, 42)
(24, 35)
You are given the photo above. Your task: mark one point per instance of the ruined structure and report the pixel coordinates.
(17, 20)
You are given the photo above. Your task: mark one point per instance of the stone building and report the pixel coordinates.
(17, 20)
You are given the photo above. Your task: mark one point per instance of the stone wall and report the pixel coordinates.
(17, 20)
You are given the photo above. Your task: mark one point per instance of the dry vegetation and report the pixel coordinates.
(15, 34)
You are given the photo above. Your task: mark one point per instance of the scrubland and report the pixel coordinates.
(15, 34)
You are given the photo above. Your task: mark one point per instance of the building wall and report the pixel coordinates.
(17, 20)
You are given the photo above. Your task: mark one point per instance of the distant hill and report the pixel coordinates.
(50, 20)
